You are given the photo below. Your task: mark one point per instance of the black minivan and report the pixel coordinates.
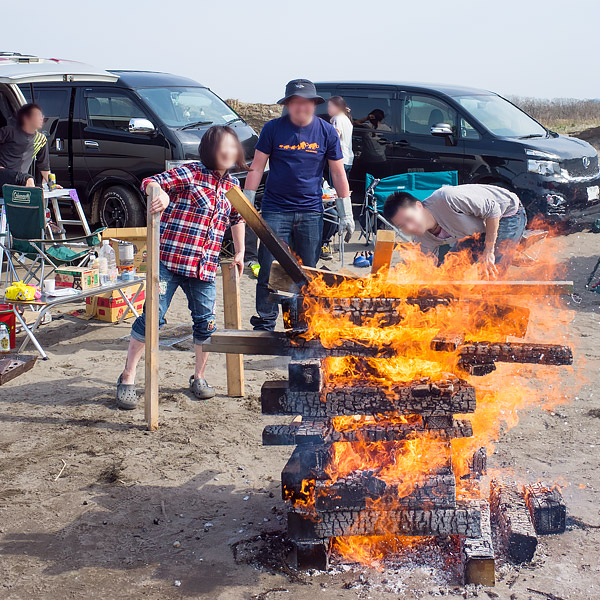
(105, 137)
(404, 128)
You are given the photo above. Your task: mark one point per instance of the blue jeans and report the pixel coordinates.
(201, 296)
(510, 232)
(301, 231)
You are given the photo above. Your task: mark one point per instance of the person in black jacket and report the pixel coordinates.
(21, 144)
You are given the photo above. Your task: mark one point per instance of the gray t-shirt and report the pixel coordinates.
(18, 148)
(461, 211)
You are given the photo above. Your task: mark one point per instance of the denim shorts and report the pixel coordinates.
(201, 296)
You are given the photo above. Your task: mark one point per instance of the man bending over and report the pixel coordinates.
(489, 220)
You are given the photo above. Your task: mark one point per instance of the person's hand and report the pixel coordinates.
(238, 262)
(487, 264)
(157, 198)
(58, 187)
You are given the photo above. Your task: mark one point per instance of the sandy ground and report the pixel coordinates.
(135, 513)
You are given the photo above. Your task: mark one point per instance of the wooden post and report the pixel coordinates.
(384, 247)
(233, 320)
(152, 294)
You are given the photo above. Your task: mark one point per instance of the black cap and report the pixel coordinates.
(303, 88)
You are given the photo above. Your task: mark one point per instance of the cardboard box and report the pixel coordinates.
(137, 236)
(110, 306)
(79, 278)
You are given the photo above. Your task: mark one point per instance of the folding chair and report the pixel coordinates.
(25, 210)
(420, 185)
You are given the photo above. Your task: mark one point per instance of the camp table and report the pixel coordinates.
(46, 303)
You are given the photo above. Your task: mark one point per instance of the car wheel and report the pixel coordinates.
(121, 207)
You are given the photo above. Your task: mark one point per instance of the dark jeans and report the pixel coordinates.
(10, 177)
(510, 232)
(301, 231)
(201, 296)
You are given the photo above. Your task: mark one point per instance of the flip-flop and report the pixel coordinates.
(127, 398)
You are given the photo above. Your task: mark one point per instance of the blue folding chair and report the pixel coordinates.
(420, 185)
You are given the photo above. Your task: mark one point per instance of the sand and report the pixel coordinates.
(158, 515)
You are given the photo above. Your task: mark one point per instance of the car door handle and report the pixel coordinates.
(402, 143)
(58, 143)
(91, 144)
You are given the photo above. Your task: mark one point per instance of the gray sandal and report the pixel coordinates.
(201, 389)
(127, 398)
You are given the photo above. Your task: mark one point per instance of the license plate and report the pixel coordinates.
(593, 192)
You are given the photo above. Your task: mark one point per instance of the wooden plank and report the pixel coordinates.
(511, 514)
(281, 281)
(384, 248)
(547, 508)
(478, 553)
(152, 300)
(233, 320)
(13, 365)
(281, 253)
(476, 353)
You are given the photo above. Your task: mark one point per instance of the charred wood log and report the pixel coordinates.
(427, 399)
(514, 352)
(322, 431)
(464, 519)
(478, 463)
(310, 556)
(547, 508)
(354, 492)
(512, 517)
(478, 552)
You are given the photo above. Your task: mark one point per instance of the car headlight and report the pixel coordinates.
(543, 167)
(173, 164)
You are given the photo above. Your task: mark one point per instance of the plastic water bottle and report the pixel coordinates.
(107, 264)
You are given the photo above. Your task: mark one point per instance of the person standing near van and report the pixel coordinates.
(20, 144)
(297, 146)
(487, 219)
(339, 112)
(195, 215)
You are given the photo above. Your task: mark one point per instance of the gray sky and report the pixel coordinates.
(248, 50)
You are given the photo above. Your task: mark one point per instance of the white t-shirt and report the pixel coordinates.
(343, 126)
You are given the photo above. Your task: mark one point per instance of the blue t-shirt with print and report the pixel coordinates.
(297, 158)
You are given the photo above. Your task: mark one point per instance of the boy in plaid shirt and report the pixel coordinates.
(195, 216)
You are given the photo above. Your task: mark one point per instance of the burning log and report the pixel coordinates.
(478, 552)
(513, 519)
(464, 519)
(513, 352)
(547, 508)
(320, 431)
(478, 463)
(354, 492)
(402, 399)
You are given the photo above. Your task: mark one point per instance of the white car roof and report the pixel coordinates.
(17, 68)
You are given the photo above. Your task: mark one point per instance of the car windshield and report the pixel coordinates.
(500, 116)
(186, 106)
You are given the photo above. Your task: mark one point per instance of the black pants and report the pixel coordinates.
(10, 177)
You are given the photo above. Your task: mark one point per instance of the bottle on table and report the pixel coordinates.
(107, 264)
(4, 339)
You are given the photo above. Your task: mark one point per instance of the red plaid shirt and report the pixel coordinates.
(193, 224)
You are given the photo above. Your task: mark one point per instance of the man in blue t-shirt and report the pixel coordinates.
(297, 146)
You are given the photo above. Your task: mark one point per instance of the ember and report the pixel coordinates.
(382, 462)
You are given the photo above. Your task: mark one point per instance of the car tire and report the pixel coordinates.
(121, 207)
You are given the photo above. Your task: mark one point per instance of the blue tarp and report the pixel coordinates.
(420, 185)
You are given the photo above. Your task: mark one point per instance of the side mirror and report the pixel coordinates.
(141, 126)
(442, 129)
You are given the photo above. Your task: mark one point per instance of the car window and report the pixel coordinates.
(112, 110)
(421, 113)
(467, 131)
(54, 103)
(182, 106)
(372, 111)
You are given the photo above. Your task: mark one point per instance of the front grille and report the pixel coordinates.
(575, 166)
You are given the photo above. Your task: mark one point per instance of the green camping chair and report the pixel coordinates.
(420, 185)
(26, 217)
